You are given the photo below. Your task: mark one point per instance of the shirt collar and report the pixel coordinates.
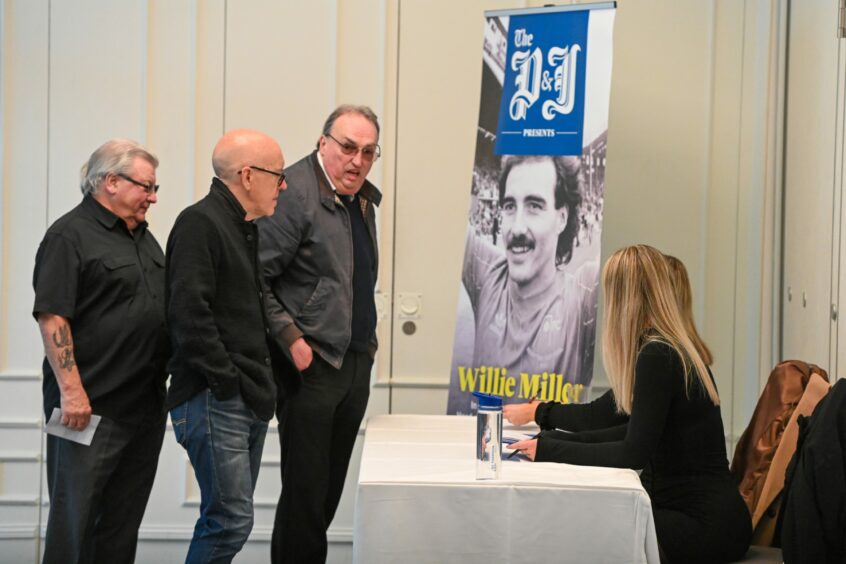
(105, 216)
(220, 188)
(365, 190)
(329, 178)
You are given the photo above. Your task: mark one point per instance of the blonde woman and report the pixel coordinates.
(662, 416)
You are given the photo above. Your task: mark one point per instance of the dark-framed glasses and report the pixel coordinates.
(149, 188)
(280, 175)
(368, 152)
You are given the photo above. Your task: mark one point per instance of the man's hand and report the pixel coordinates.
(301, 353)
(76, 409)
(520, 413)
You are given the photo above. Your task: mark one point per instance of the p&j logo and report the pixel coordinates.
(542, 108)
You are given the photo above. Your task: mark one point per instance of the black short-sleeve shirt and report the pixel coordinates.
(109, 282)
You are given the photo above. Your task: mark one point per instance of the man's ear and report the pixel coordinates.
(246, 177)
(110, 184)
(563, 213)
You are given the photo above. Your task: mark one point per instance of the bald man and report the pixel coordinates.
(222, 392)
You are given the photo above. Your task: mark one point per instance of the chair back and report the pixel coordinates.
(793, 388)
(769, 501)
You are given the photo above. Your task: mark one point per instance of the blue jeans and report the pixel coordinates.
(224, 441)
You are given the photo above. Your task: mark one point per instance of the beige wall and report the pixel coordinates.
(689, 162)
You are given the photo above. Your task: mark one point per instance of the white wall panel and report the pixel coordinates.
(419, 398)
(20, 395)
(98, 86)
(21, 441)
(21, 437)
(360, 45)
(17, 476)
(658, 130)
(809, 179)
(722, 261)
(755, 188)
(209, 88)
(171, 108)
(23, 176)
(23, 217)
(280, 70)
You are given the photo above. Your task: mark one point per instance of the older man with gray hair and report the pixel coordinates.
(99, 300)
(320, 257)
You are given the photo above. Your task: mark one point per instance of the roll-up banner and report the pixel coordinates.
(526, 324)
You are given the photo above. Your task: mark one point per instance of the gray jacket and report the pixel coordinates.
(306, 250)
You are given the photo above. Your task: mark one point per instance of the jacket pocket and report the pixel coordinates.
(315, 305)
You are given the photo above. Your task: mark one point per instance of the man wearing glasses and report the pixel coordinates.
(320, 258)
(222, 391)
(99, 300)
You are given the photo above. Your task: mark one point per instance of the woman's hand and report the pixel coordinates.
(529, 447)
(520, 413)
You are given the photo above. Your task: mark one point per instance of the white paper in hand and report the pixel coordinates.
(54, 427)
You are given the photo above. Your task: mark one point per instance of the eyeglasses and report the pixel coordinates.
(368, 153)
(149, 188)
(281, 175)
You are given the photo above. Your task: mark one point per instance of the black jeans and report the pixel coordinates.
(318, 426)
(98, 493)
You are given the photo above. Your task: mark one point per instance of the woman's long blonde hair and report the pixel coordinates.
(684, 296)
(641, 307)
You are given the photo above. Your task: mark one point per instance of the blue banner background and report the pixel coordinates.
(534, 134)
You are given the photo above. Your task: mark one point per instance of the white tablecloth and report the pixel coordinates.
(418, 501)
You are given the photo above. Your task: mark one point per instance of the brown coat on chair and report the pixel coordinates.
(760, 459)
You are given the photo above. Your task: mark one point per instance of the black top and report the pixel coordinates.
(364, 279)
(215, 306)
(671, 431)
(675, 434)
(598, 414)
(109, 282)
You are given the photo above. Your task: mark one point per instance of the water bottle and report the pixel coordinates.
(488, 437)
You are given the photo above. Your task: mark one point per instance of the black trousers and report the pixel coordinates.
(318, 426)
(98, 493)
(700, 520)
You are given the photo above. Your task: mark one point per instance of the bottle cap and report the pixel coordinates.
(488, 402)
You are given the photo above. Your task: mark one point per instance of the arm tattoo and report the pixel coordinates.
(62, 337)
(64, 344)
(66, 359)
